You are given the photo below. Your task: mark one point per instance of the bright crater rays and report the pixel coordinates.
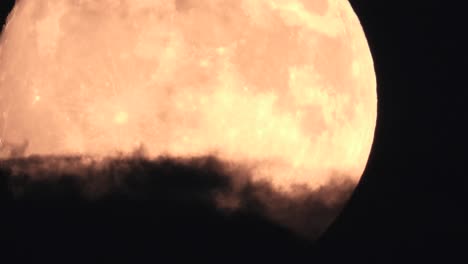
(286, 87)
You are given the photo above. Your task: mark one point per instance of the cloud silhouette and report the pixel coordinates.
(207, 182)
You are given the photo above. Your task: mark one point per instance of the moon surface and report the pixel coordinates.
(285, 87)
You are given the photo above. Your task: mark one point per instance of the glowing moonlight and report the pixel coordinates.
(286, 87)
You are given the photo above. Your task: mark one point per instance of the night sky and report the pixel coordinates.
(408, 205)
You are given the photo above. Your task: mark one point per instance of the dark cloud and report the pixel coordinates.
(198, 199)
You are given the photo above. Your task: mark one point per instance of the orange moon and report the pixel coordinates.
(285, 87)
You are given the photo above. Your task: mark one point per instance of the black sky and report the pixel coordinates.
(409, 204)
(411, 200)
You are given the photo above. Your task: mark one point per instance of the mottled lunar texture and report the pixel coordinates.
(284, 87)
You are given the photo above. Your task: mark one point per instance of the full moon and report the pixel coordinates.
(285, 87)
